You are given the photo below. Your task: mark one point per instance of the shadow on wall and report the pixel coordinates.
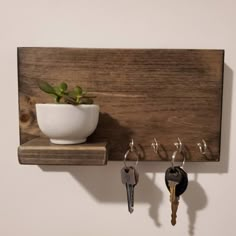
(107, 187)
(195, 191)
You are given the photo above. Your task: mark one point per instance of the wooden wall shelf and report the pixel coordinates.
(142, 94)
(40, 151)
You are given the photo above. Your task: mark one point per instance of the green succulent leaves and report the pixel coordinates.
(46, 87)
(61, 95)
(63, 86)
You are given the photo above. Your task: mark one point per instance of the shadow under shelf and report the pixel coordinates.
(40, 151)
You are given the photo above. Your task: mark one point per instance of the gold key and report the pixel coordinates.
(172, 185)
(174, 208)
(173, 179)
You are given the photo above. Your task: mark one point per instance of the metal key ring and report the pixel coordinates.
(173, 159)
(130, 150)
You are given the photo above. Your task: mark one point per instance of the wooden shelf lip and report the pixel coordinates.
(40, 151)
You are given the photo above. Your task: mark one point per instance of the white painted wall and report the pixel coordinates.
(84, 201)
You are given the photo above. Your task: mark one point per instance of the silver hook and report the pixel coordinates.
(131, 149)
(179, 147)
(159, 150)
(202, 147)
(155, 145)
(173, 159)
(131, 145)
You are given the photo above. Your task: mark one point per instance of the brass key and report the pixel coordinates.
(174, 208)
(173, 178)
(172, 185)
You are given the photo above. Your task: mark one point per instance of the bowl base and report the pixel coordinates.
(67, 141)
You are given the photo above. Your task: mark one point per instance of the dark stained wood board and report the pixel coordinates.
(40, 151)
(142, 93)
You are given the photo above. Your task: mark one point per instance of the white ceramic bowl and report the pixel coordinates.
(67, 124)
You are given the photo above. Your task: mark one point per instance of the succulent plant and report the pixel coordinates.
(61, 94)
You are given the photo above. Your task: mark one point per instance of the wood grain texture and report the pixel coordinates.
(40, 151)
(142, 93)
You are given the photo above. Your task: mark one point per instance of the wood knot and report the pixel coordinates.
(27, 117)
(27, 101)
(24, 117)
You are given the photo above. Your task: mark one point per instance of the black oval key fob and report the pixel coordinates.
(184, 182)
(178, 175)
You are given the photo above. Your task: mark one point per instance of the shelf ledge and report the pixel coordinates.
(40, 151)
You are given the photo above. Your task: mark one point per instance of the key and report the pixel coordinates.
(130, 189)
(173, 177)
(130, 192)
(174, 208)
(136, 175)
(180, 189)
(176, 182)
(172, 185)
(128, 177)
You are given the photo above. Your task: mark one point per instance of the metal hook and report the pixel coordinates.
(179, 145)
(131, 149)
(179, 150)
(155, 145)
(131, 145)
(159, 150)
(202, 147)
(173, 159)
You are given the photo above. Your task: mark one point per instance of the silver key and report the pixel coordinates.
(130, 191)
(128, 177)
(136, 175)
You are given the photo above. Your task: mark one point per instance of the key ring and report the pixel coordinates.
(179, 147)
(131, 149)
